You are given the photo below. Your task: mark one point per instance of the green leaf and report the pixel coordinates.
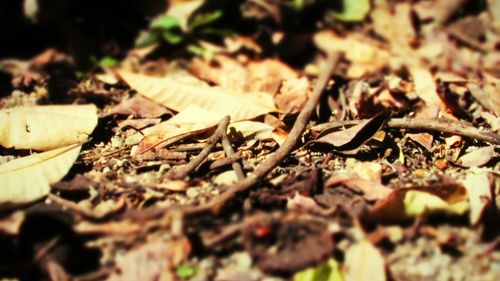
(108, 61)
(186, 270)
(205, 19)
(172, 37)
(165, 22)
(195, 49)
(353, 10)
(328, 271)
(207, 54)
(147, 38)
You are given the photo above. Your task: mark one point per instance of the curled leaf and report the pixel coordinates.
(355, 136)
(28, 178)
(477, 157)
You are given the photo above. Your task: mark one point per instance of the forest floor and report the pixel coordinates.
(310, 144)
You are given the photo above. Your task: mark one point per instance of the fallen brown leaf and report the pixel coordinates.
(355, 136)
(477, 157)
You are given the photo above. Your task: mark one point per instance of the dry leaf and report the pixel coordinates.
(425, 139)
(138, 106)
(363, 262)
(258, 130)
(179, 96)
(292, 95)
(355, 136)
(221, 70)
(191, 120)
(477, 157)
(46, 127)
(371, 190)
(478, 187)
(395, 24)
(405, 203)
(425, 87)
(28, 178)
(364, 56)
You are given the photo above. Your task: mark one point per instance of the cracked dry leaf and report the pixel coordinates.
(178, 96)
(46, 127)
(28, 178)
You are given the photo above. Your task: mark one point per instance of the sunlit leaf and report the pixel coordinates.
(165, 22)
(46, 127)
(417, 201)
(191, 120)
(28, 178)
(178, 96)
(479, 192)
(363, 262)
(205, 19)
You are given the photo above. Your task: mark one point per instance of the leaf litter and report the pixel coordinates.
(404, 186)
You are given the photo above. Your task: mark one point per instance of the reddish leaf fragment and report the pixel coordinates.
(139, 106)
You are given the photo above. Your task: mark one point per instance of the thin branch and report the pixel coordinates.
(183, 171)
(228, 149)
(434, 125)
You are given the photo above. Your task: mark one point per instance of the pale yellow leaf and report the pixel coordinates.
(182, 11)
(28, 178)
(178, 96)
(425, 87)
(46, 127)
(479, 193)
(363, 262)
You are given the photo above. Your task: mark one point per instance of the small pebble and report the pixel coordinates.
(192, 192)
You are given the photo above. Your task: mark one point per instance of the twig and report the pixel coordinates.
(435, 125)
(228, 149)
(182, 172)
(275, 159)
